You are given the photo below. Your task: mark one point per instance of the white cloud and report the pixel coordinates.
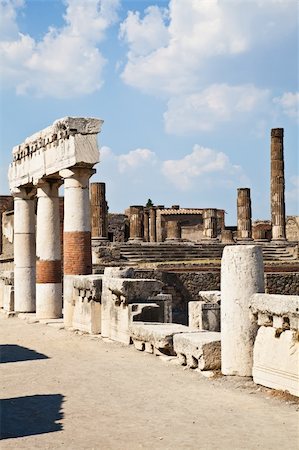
(201, 165)
(67, 61)
(140, 157)
(218, 103)
(289, 103)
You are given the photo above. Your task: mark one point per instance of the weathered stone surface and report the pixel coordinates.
(271, 304)
(242, 275)
(145, 312)
(119, 272)
(202, 349)
(204, 316)
(275, 360)
(157, 336)
(277, 185)
(210, 296)
(244, 214)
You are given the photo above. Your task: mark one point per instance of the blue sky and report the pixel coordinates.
(188, 90)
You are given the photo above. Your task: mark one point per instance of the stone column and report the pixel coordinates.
(146, 225)
(153, 227)
(24, 250)
(242, 274)
(99, 211)
(277, 186)
(210, 223)
(244, 215)
(173, 230)
(48, 263)
(77, 234)
(136, 223)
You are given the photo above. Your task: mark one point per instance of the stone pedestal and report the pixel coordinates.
(242, 274)
(173, 230)
(136, 223)
(227, 237)
(244, 215)
(153, 227)
(146, 225)
(277, 186)
(77, 235)
(48, 252)
(210, 224)
(99, 211)
(24, 249)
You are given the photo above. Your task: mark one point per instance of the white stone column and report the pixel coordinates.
(242, 274)
(48, 252)
(24, 249)
(77, 232)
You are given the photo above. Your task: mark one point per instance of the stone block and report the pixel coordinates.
(210, 296)
(156, 336)
(204, 316)
(87, 316)
(8, 298)
(145, 312)
(199, 349)
(275, 360)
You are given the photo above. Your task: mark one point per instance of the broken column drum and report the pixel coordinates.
(173, 230)
(146, 225)
(244, 215)
(277, 185)
(99, 211)
(210, 223)
(136, 223)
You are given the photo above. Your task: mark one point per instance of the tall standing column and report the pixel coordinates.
(210, 223)
(244, 232)
(24, 250)
(77, 235)
(136, 223)
(153, 226)
(99, 211)
(48, 264)
(173, 230)
(277, 186)
(146, 224)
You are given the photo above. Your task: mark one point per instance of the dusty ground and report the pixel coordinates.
(78, 392)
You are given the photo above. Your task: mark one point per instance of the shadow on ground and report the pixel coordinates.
(15, 353)
(31, 415)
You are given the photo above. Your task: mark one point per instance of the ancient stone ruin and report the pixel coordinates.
(171, 281)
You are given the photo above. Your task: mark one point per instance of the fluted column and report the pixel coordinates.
(136, 223)
(99, 211)
(48, 251)
(24, 250)
(146, 225)
(77, 234)
(277, 186)
(173, 230)
(210, 223)
(244, 225)
(153, 226)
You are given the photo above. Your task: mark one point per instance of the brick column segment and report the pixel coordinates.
(77, 235)
(277, 186)
(24, 249)
(146, 224)
(99, 211)
(136, 223)
(153, 226)
(173, 230)
(210, 223)
(48, 251)
(244, 215)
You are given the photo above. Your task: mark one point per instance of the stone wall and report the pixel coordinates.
(118, 227)
(282, 283)
(292, 228)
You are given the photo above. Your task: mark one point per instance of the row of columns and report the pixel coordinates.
(38, 277)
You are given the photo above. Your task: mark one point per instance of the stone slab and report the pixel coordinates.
(210, 296)
(199, 350)
(204, 316)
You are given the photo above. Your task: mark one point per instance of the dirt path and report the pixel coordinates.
(78, 392)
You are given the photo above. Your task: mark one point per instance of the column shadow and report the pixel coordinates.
(30, 415)
(15, 353)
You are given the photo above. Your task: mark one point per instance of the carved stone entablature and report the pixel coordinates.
(69, 141)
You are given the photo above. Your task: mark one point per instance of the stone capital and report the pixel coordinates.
(24, 192)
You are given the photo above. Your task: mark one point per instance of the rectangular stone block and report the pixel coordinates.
(87, 316)
(8, 298)
(199, 349)
(204, 316)
(210, 296)
(275, 360)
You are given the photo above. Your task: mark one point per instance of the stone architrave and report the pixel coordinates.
(24, 249)
(173, 229)
(153, 225)
(244, 232)
(48, 251)
(99, 211)
(242, 275)
(146, 225)
(277, 186)
(77, 234)
(210, 223)
(136, 223)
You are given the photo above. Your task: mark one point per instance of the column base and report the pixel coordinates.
(48, 300)
(135, 240)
